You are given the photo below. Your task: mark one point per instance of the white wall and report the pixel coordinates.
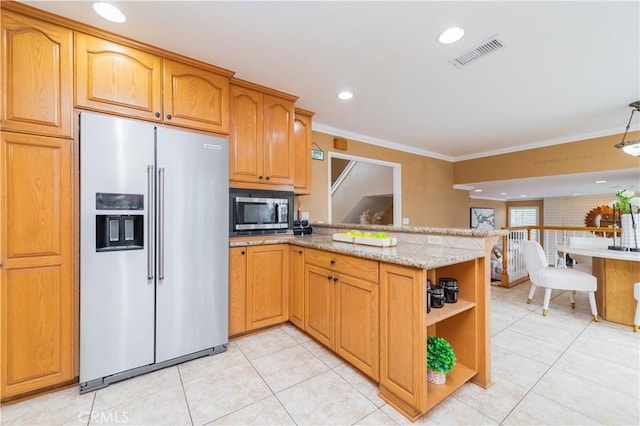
(364, 179)
(571, 211)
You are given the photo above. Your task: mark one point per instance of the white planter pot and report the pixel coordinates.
(630, 237)
(436, 377)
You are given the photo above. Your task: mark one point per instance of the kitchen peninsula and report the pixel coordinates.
(368, 304)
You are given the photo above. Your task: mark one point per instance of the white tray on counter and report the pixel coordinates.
(377, 242)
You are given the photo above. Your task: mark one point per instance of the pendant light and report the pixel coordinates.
(631, 147)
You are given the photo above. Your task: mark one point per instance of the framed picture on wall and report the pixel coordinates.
(482, 218)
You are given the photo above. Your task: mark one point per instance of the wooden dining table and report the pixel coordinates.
(616, 272)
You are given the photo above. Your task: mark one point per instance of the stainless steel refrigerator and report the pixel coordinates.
(153, 247)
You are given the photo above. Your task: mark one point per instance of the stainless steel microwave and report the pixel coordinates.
(258, 211)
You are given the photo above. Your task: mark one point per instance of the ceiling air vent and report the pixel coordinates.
(486, 47)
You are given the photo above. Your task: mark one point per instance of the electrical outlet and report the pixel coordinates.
(434, 239)
(405, 220)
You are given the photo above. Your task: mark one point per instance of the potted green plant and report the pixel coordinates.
(440, 359)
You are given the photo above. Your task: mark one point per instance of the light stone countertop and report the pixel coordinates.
(459, 232)
(414, 255)
(601, 252)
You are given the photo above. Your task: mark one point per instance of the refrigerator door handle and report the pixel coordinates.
(149, 224)
(161, 223)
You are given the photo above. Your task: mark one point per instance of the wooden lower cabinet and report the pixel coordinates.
(357, 326)
(296, 286)
(258, 287)
(319, 319)
(403, 338)
(267, 285)
(341, 311)
(38, 291)
(237, 290)
(405, 325)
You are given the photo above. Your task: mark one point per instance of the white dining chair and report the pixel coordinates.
(551, 278)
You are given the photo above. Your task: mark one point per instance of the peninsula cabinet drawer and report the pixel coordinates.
(365, 269)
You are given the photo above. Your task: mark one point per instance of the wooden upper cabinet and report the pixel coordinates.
(302, 152)
(196, 98)
(260, 136)
(245, 135)
(278, 140)
(38, 296)
(37, 78)
(119, 79)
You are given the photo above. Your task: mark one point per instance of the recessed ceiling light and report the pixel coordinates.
(345, 96)
(601, 181)
(477, 190)
(451, 35)
(503, 193)
(523, 196)
(109, 12)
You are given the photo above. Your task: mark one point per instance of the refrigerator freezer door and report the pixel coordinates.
(192, 296)
(116, 296)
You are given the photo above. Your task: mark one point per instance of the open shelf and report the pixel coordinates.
(455, 378)
(448, 310)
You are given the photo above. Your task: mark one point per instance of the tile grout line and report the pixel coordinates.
(274, 394)
(261, 378)
(184, 392)
(549, 367)
(358, 390)
(545, 373)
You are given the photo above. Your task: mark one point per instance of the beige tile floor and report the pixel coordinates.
(559, 369)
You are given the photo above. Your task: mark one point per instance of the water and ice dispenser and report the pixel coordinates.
(119, 231)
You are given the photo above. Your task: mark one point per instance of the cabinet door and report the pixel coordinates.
(36, 76)
(319, 307)
(116, 78)
(403, 338)
(302, 153)
(267, 285)
(237, 290)
(296, 285)
(38, 302)
(357, 338)
(195, 98)
(245, 135)
(278, 140)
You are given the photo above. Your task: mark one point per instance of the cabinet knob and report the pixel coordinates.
(242, 252)
(260, 177)
(329, 277)
(335, 279)
(299, 251)
(333, 261)
(267, 178)
(157, 114)
(168, 116)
